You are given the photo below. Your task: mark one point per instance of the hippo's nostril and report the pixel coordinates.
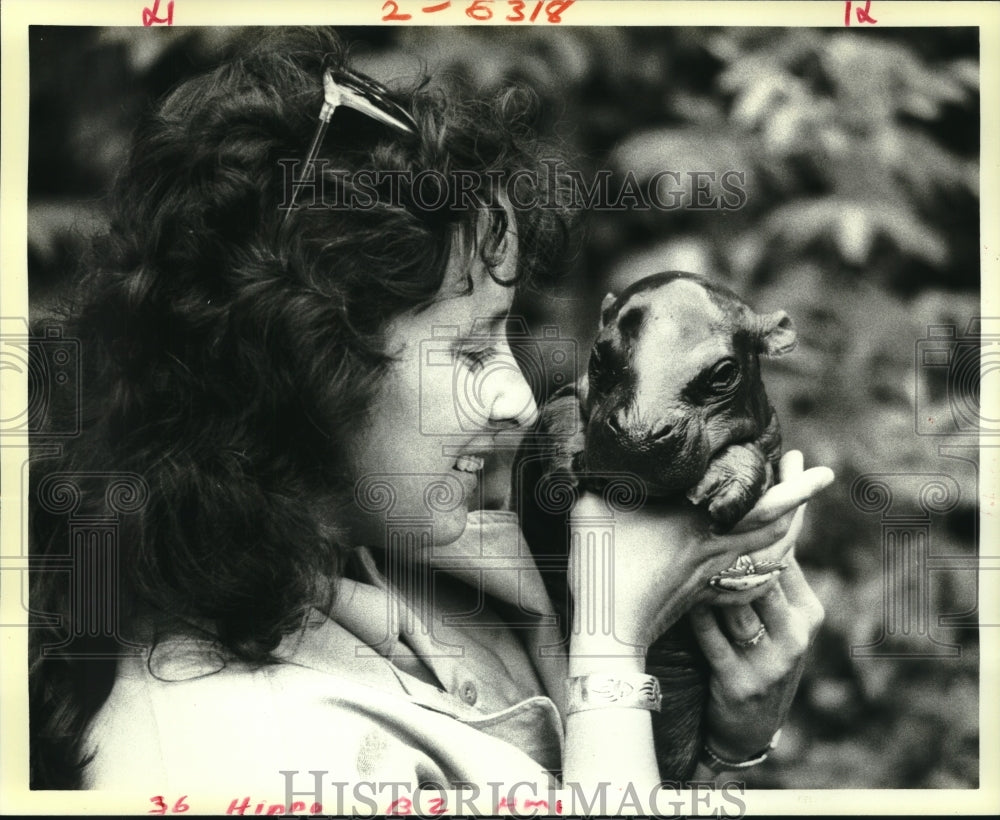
(614, 424)
(665, 431)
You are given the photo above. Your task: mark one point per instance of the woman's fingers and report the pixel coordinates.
(774, 611)
(769, 538)
(791, 465)
(796, 587)
(781, 539)
(771, 545)
(741, 623)
(795, 530)
(801, 596)
(786, 496)
(713, 642)
(790, 610)
(769, 531)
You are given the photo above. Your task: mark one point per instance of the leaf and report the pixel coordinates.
(854, 225)
(683, 149)
(925, 167)
(966, 71)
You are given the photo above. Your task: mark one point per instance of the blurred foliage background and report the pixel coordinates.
(860, 153)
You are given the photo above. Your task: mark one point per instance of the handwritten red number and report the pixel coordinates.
(162, 808)
(556, 8)
(437, 806)
(864, 15)
(151, 16)
(479, 10)
(402, 806)
(393, 13)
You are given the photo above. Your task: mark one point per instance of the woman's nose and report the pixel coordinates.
(513, 403)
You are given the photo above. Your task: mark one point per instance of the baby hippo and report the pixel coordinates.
(674, 393)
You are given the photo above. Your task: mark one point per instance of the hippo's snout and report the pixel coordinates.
(621, 426)
(670, 452)
(616, 425)
(665, 433)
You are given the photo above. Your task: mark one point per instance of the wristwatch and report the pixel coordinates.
(718, 764)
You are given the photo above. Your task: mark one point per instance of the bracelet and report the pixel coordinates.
(638, 691)
(718, 764)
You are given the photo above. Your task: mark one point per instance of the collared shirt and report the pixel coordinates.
(383, 688)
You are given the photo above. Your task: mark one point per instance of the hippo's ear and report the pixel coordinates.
(777, 333)
(607, 302)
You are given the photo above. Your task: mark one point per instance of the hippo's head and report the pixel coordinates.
(674, 378)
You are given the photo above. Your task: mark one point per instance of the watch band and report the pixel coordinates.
(718, 764)
(602, 691)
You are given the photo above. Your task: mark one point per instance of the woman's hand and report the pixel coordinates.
(753, 682)
(631, 576)
(757, 649)
(629, 588)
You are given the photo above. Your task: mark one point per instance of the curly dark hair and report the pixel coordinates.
(229, 352)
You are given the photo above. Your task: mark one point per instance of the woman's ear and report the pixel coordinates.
(777, 333)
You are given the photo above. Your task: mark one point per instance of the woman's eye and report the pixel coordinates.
(724, 375)
(477, 358)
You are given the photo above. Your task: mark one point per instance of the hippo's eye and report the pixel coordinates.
(724, 375)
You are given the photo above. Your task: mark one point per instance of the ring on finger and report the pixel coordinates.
(745, 574)
(746, 643)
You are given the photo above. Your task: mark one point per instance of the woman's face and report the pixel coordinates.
(453, 393)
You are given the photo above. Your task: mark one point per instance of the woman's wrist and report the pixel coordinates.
(590, 654)
(741, 748)
(720, 758)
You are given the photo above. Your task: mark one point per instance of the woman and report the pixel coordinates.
(317, 572)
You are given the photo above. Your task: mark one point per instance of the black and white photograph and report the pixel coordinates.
(494, 407)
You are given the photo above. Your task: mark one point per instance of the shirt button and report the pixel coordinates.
(468, 692)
